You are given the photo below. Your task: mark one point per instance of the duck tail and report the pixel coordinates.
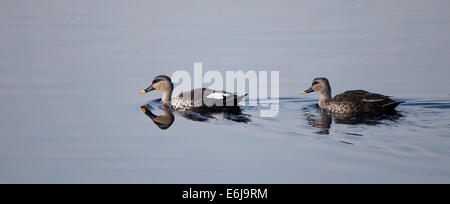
(236, 100)
(239, 98)
(391, 105)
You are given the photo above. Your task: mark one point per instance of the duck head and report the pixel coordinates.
(320, 85)
(162, 83)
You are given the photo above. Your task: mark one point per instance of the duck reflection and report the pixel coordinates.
(234, 114)
(323, 120)
(166, 120)
(163, 121)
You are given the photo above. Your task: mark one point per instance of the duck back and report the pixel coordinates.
(206, 99)
(361, 101)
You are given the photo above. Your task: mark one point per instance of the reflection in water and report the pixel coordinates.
(166, 120)
(163, 121)
(235, 115)
(324, 119)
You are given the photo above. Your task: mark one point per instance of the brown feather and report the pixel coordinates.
(364, 101)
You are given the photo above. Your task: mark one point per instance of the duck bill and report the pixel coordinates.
(307, 91)
(150, 88)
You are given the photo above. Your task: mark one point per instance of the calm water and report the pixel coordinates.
(71, 71)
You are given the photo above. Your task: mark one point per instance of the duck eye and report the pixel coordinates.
(156, 81)
(314, 83)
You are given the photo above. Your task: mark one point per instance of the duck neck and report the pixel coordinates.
(167, 96)
(325, 96)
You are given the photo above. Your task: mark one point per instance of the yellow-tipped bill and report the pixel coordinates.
(150, 88)
(143, 109)
(307, 91)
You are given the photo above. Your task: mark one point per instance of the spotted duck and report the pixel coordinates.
(201, 99)
(354, 101)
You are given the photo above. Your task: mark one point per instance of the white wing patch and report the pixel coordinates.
(218, 95)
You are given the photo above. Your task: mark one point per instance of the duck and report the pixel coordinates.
(350, 102)
(199, 100)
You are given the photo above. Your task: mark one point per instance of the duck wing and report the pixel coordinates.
(212, 98)
(360, 96)
(350, 96)
(366, 101)
(223, 98)
(237, 99)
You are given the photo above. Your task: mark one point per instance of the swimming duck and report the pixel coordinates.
(354, 101)
(201, 99)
